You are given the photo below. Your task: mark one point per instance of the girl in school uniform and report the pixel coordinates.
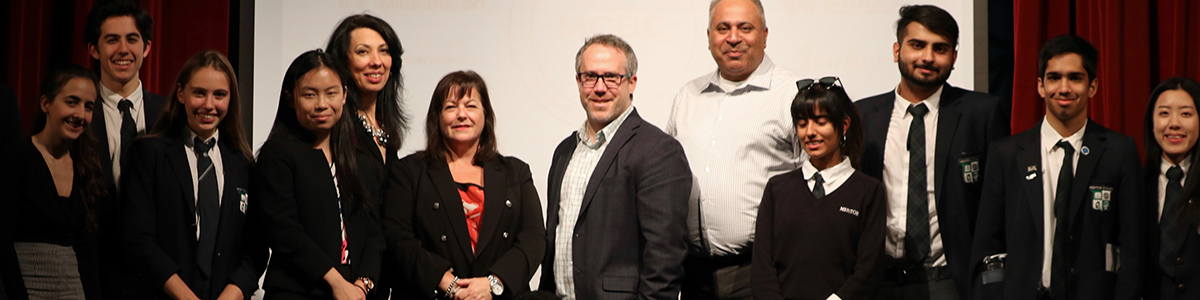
(820, 228)
(186, 190)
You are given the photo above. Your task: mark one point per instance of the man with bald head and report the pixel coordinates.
(736, 130)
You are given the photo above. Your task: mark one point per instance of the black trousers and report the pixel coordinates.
(712, 278)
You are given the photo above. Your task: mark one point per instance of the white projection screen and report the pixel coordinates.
(525, 51)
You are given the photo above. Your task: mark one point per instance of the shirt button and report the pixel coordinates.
(443, 238)
(714, 142)
(437, 205)
(720, 118)
(706, 169)
(508, 203)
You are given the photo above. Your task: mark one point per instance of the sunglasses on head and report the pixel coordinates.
(825, 82)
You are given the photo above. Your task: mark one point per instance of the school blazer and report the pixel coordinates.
(968, 122)
(631, 236)
(109, 216)
(427, 232)
(1101, 240)
(1186, 283)
(160, 224)
(299, 211)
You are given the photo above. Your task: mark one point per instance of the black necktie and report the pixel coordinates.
(1062, 197)
(208, 204)
(128, 127)
(916, 239)
(1170, 231)
(818, 188)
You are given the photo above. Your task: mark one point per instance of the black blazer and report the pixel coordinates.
(152, 106)
(160, 224)
(108, 208)
(631, 236)
(1011, 212)
(967, 122)
(299, 207)
(425, 226)
(1186, 283)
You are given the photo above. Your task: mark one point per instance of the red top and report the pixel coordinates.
(472, 202)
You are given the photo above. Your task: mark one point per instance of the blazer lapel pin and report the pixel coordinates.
(1032, 172)
(1085, 150)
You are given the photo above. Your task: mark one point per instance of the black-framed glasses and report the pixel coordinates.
(825, 82)
(589, 79)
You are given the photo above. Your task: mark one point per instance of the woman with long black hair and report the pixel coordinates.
(1172, 128)
(319, 197)
(370, 50)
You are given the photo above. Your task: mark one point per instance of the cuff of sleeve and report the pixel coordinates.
(833, 297)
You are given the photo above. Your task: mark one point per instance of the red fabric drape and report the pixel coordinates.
(1126, 33)
(45, 32)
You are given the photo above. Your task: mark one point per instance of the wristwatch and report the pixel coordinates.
(497, 287)
(370, 285)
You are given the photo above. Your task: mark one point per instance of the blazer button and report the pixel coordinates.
(505, 234)
(1179, 260)
(443, 238)
(508, 203)
(218, 253)
(1181, 287)
(1072, 271)
(437, 205)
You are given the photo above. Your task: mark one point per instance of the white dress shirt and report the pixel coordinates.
(1162, 179)
(1052, 157)
(574, 183)
(214, 154)
(833, 176)
(735, 140)
(895, 177)
(112, 122)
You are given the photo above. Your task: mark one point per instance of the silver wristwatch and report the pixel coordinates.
(497, 287)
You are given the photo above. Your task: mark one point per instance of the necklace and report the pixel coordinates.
(380, 136)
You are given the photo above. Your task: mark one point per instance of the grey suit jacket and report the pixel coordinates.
(631, 236)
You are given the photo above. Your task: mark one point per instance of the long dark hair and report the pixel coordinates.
(388, 111)
(1190, 212)
(85, 155)
(460, 83)
(341, 144)
(174, 117)
(837, 106)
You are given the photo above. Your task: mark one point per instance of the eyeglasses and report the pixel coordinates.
(825, 82)
(589, 79)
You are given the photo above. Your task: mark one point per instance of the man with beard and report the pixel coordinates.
(736, 127)
(927, 141)
(1063, 201)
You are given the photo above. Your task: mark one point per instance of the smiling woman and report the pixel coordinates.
(52, 181)
(194, 163)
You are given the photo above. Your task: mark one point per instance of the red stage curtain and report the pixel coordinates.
(43, 32)
(1140, 43)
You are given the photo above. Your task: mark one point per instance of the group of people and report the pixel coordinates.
(762, 185)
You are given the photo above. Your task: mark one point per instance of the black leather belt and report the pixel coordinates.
(916, 275)
(722, 261)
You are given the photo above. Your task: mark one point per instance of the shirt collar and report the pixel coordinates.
(843, 168)
(760, 78)
(112, 98)
(605, 133)
(1050, 137)
(932, 103)
(190, 137)
(1166, 164)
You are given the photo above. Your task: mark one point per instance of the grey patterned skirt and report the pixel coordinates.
(50, 271)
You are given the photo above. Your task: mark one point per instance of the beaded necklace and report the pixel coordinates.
(380, 136)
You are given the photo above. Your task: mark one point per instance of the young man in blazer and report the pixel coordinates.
(1061, 216)
(617, 202)
(929, 261)
(117, 35)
